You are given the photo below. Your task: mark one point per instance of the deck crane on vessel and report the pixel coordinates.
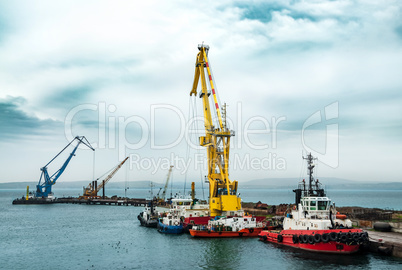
(222, 191)
(92, 190)
(44, 187)
(163, 197)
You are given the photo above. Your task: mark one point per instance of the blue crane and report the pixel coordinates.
(44, 187)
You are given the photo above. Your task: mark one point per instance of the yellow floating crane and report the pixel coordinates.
(223, 198)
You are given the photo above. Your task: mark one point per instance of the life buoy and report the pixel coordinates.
(333, 236)
(295, 239)
(339, 216)
(317, 238)
(280, 238)
(325, 238)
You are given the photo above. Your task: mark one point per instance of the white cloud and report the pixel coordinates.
(302, 56)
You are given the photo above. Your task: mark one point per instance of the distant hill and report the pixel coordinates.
(287, 183)
(293, 182)
(328, 182)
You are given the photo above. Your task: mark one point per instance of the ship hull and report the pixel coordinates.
(341, 241)
(189, 222)
(252, 232)
(169, 229)
(153, 223)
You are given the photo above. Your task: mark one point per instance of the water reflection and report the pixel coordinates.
(220, 253)
(316, 259)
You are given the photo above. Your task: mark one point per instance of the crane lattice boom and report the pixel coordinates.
(167, 182)
(44, 187)
(222, 191)
(93, 189)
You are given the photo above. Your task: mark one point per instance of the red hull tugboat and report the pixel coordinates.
(313, 223)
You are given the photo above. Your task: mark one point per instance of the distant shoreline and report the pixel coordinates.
(254, 184)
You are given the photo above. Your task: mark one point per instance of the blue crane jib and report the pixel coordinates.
(44, 187)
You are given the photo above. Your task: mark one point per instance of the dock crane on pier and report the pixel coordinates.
(92, 190)
(44, 187)
(222, 191)
(163, 197)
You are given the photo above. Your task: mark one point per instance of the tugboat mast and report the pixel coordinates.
(310, 168)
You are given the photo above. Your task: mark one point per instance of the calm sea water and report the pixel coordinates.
(63, 236)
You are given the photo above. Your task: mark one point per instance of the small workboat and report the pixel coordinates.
(149, 217)
(245, 226)
(313, 224)
(171, 222)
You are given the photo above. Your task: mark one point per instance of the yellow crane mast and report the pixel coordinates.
(222, 191)
(92, 190)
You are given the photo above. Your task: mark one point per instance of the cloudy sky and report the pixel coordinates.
(297, 76)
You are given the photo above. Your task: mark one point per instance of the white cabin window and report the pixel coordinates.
(322, 205)
(313, 205)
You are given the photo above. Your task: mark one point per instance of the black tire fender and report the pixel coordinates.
(333, 236)
(325, 238)
(343, 237)
(317, 238)
(295, 239)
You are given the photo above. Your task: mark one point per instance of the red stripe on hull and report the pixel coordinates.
(329, 247)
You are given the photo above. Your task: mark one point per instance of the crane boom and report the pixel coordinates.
(93, 189)
(167, 182)
(44, 188)
(222, 191)
(104, 182)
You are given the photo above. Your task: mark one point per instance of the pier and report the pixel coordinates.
(91, 201)
(386, 243)
(106, 201)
